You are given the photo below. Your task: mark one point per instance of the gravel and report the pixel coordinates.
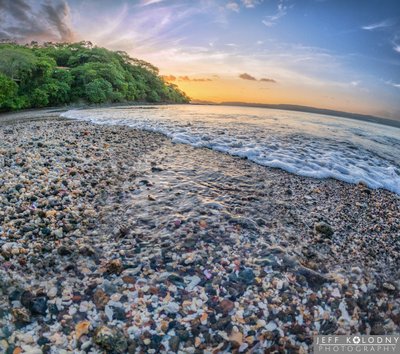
(116, 240)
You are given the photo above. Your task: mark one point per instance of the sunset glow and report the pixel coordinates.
(329, 54)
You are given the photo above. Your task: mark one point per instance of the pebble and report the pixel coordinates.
(223, 259)
(324, 229)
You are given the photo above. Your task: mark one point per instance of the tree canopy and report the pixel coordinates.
(55, 74)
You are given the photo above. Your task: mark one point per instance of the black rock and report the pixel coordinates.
(174, 343)
(64, 251)
(26, 299)
(314, 279)
(39, 306)
(42, 341)
(247, 276)
(328, 327)
(324, 229)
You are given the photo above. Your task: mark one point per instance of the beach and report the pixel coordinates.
(117, 240)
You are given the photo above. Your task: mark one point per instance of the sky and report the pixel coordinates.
(336, 54)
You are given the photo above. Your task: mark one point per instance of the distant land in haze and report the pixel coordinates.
(308, 109)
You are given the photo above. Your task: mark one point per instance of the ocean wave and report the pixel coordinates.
(300, 143)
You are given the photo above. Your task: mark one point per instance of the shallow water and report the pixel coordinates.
(306, 144)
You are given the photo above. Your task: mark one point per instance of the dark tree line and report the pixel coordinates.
(55, 74)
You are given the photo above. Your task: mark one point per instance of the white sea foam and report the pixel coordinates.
(302, 143)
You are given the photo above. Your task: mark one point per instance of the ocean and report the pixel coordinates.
(306, 144)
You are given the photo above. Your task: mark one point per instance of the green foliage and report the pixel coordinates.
(39, 98)
(99, 90)
(61, 73)
(8, 89)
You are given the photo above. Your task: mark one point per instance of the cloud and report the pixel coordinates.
(271, 20)
(233, 6)
(195, 79)
(56, 15)
(169, 78)
(396, 48)
(246, 76)
(48, 21)
(265, 79)
(251, 3)
(378, 25)
(391, 83)
(150, 2)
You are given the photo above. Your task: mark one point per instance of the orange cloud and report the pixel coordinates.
(169, 78)
(187, 78)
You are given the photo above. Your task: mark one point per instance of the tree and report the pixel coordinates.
(60, 73)
(8, 88)
(99, 90)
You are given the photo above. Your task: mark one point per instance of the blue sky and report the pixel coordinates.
(327, 53)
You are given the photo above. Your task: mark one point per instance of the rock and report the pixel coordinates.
(86, 250)
(115, 266)
(21, 315)
(236, 337)
(388, 287)
(324, 229)
(247, 276)
(194, 281)
(38, 306)
(314, 279)
(174, 343)
(172, 307)
(226, 306)
(110, 339)
(64, 251)
(26, 299)
(81, 328)
(100, 299)
(52, 292)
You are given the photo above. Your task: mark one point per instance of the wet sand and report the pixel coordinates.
(117, 240)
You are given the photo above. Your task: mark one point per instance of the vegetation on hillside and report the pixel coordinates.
(55, 74)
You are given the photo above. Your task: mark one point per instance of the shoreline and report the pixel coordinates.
(304, 109)
(125, 238)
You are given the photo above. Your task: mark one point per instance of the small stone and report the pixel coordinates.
(324, 229)
(174, 343)
(388, 286)
(271, 326)
(64, 251)
(127, 279)
(172, 307)
(247, 276)
(110, 339)
(38, 306)
(59, 233)
(226, 306)
(21, 315)
(82, 328)
(100, 299)
(115, 266)
(86, 250)
(236, 337)
(314, 279)
(194, 281)
(52, 292)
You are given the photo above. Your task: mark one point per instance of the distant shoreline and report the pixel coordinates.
(284, 107)
(308, 109)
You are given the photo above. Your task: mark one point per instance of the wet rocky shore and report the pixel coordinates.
(114, 240)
